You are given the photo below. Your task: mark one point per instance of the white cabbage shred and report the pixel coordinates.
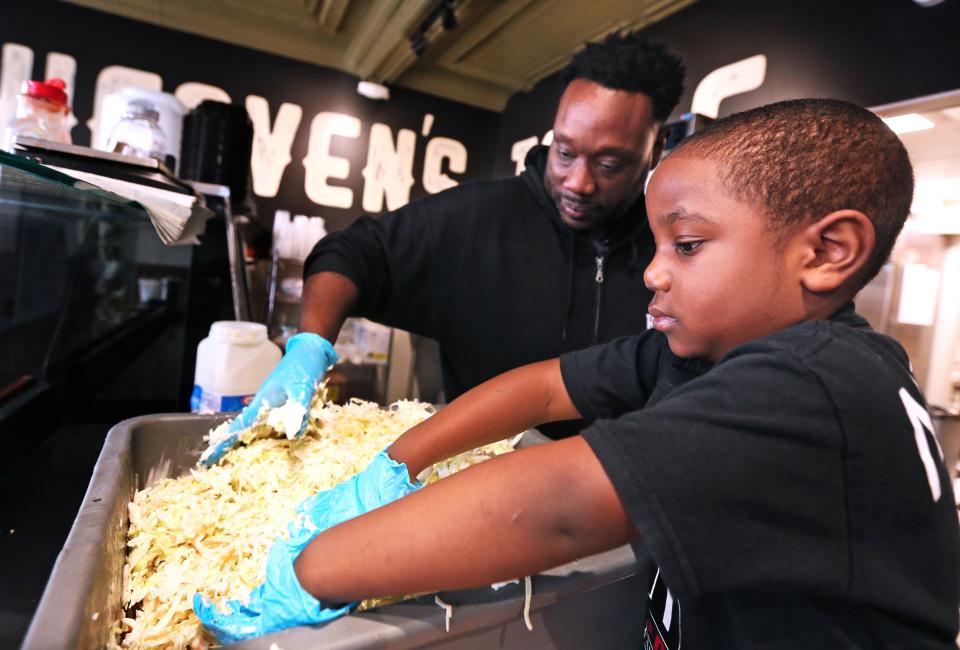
(210, 530)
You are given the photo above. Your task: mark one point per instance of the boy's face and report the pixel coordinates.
(720, 277)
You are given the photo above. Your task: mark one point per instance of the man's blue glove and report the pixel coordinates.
(295, 378)
(280, 602)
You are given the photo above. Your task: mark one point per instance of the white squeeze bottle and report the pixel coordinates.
(232, 363)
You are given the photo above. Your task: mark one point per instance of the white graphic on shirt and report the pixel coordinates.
(920, 420)
(663, 611)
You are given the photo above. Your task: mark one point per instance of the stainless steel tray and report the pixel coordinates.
(595, 602)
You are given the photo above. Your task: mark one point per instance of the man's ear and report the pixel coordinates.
(658, 146)
(837, 248)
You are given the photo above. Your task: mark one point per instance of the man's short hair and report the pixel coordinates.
(799, 160)
(626, 61)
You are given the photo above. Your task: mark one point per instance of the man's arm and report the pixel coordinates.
(328, 298)
(504, 406)
(512, 516)
(383, 268)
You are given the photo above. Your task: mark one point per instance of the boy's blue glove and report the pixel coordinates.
(275, 605)
(295, 378)
(383, 481)
(280, 602)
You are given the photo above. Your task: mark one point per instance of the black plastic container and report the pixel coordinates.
(215, 148)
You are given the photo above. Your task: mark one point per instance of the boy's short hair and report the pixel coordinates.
(626, 61)
(799, 160)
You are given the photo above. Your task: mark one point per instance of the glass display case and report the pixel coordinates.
(72, 263)
(96, 313)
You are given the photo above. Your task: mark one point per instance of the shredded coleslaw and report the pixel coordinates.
(209, 531)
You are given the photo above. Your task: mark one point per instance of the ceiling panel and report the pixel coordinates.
(497, 48)
(516, 49)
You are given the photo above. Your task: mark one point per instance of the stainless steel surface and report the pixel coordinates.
(27, 142)
(285, 294)
(591, 603)
(238, 271)
(210, 189)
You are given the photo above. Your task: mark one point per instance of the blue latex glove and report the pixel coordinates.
(280, 602)
(295, 378)
(383, 481)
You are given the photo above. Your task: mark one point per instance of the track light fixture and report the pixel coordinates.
(418, 43)
(445, 12)
(449, 20)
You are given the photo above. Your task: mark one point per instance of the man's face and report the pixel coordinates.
(720, 278)
(604, 142)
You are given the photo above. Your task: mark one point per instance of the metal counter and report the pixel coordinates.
(594, 602)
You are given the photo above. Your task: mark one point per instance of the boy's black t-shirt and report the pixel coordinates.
(792, 495)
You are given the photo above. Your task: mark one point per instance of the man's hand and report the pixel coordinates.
(280, 602)
(295, 378)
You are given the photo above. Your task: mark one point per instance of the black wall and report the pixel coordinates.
(98, 39)
(870, 52)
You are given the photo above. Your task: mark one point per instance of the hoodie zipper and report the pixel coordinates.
(598, 278)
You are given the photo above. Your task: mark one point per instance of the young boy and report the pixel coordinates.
(772, 451)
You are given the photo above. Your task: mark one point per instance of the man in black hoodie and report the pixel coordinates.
(506, 272)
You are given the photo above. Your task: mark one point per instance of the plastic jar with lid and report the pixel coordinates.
(138, 132)
(232, 362)
(42, 112)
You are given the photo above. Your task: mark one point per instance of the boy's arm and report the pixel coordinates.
(504, 406)
(512, 516)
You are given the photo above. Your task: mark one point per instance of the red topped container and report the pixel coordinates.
(51, 90)
(42, 112)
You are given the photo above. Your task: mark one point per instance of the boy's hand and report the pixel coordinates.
(295, 378)
(381, 482)
(280, 602)
(275, 605)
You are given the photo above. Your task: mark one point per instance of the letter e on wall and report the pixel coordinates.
(321, 165)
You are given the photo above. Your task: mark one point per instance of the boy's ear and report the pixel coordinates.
(837, 248)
